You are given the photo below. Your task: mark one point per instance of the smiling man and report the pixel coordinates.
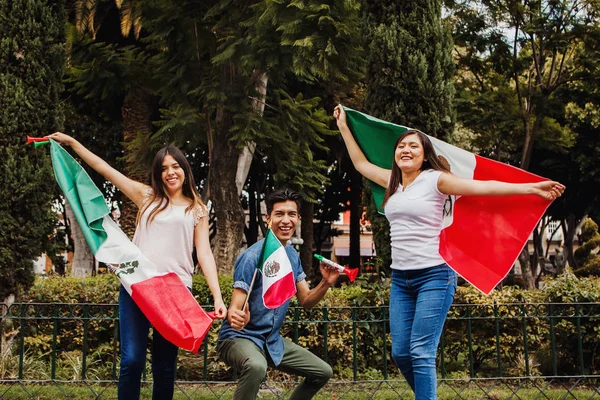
(249, 340)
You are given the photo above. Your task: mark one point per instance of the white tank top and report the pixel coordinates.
(416, 217)
(168, 241)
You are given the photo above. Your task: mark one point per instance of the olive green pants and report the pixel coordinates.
(251, 365)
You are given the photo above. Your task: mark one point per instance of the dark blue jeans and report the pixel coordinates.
(134, 328)
(419, 303)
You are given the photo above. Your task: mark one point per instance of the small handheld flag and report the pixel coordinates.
(350, 273)
(278, 283)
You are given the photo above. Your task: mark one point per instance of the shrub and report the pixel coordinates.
(513, 305)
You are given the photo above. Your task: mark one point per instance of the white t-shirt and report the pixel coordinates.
(168, 241)
(416, 217)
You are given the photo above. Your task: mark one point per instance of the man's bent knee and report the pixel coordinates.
(254, 369)
(321, 377)
(327, 373)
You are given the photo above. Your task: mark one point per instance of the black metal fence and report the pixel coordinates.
(491, 351)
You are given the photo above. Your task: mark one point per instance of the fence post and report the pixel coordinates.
(579, 338)
(354, 363)
(54, 339)
(497, 326)
(86, 315)
(296, 323)
(325, 331)
(204, 351)
(384, 318)
(115, 340)
(525, 345)
(552, 339)
(22, 341)
(470, 342)
(296, 330)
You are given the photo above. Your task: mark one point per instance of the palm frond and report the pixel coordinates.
(126, 11)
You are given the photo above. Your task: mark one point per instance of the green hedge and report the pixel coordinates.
(459, 355)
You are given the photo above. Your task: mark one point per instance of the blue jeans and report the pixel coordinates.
(419, 303)
(134, 328)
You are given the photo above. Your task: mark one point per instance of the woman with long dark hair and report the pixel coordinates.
(171, 220)
(423, 285)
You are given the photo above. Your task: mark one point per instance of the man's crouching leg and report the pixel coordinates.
(299, 361)
(249, 362)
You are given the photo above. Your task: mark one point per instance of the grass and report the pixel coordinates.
(387, 390)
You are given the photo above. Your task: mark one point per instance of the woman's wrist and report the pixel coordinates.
(74, 144)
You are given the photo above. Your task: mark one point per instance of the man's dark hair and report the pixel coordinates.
(281, 196)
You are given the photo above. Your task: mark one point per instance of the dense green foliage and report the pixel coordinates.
(32, 59)
(587, 261)
(410, 66)
(526, 89)
(409, 76)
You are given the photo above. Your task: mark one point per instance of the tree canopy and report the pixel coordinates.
(32, 60)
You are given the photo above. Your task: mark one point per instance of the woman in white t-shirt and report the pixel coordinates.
(423, 285)
(171, 221)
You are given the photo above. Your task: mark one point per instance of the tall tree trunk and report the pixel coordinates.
(253, 216)
(137, 123)
(245, 158)
(83, 259)
(539, 261)
(307, 215)
(530, 134)
(228, 209)
(355, 215)
(223, 192)
(225, 183)
(527, 142)
(570, 227)
(526, 273)
(9, 331)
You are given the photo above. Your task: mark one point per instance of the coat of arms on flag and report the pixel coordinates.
(278, 281)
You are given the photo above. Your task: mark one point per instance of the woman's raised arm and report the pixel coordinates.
(132, 189)
(367, 169)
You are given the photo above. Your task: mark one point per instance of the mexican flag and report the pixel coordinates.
(482, 236)
(164, 299)
(278, 281)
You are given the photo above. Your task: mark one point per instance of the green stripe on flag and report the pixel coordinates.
(85, 198)
(376, 138)
(270, 245)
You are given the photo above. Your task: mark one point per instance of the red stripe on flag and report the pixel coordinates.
(488, 233)
(172, 310)
(280, 291)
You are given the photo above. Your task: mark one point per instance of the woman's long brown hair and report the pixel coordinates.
(159, 195)
(433, 162)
